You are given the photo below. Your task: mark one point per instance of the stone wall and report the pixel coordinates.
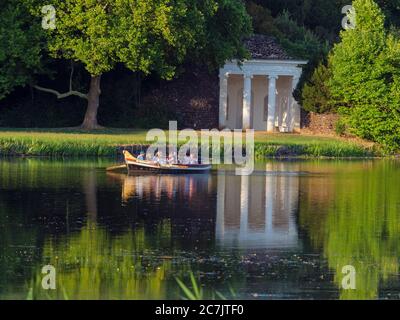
(319, 123)
(192, 99)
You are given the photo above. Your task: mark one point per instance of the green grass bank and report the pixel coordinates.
(107, 142)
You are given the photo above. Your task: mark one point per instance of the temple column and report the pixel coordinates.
(246, 101)
(293, 121)
(271, 102)
(223, 100)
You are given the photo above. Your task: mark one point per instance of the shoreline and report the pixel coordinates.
(111, 142)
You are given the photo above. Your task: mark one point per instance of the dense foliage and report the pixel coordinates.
(297, 40)
(366, 77)
(20, 47)
(316, 94)
(144, 36)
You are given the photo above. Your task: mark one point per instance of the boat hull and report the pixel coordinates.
(134, 165)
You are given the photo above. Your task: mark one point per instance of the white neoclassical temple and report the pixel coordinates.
(258, 93)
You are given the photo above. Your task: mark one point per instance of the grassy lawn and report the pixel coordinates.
(74, 142)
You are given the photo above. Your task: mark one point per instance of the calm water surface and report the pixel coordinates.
(285, 232)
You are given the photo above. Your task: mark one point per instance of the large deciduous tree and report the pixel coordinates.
(145, 36)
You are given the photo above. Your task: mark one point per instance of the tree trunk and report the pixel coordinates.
(90, 121)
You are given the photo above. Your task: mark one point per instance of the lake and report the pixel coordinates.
(288, 231)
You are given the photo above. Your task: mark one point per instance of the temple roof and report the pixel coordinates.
(263, 47)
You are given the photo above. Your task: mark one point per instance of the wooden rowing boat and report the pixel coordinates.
(133, 164)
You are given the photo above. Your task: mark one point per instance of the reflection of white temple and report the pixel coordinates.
(258, 211)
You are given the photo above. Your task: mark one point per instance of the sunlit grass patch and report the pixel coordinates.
(75, 142)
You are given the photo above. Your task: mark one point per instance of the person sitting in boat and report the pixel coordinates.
(186, 159)
(172, 159)
(193, 159)
(159, 158)
(155, 158)
(141, 156)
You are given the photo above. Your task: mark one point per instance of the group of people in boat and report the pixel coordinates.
(160, 159)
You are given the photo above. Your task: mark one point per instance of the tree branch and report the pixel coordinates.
(63, 95)
(66, 94)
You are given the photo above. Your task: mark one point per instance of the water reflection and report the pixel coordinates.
(92, 265)
(359, 226)
(284, 232)
(154, 187)
(258, 211)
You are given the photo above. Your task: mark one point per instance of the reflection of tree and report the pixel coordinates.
(91, 265)
(119, 261)
(33, 173)
(89, 184)
(17, 247)
(361, 228)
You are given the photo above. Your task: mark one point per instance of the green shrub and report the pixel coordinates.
(366, 77)
(262, 19)
(340, 127)
(316, 95)
(298, 40)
